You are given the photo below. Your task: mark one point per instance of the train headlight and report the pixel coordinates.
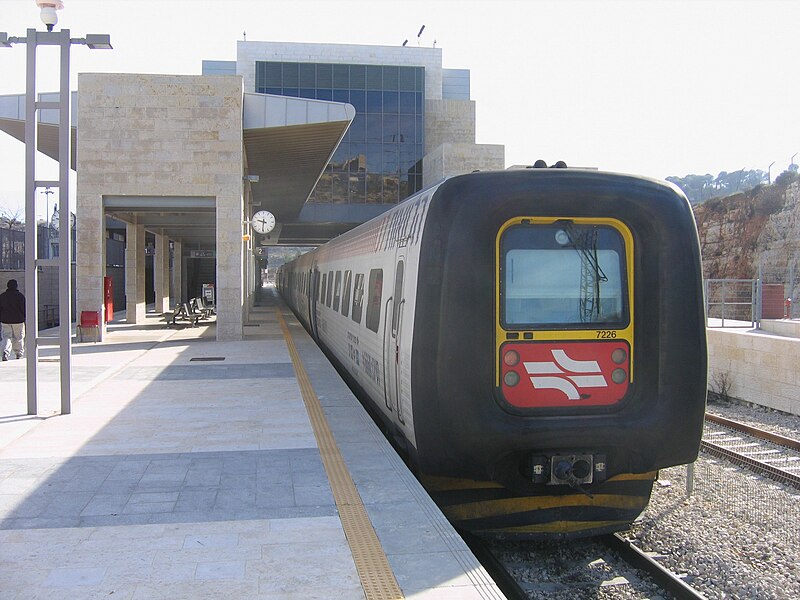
(619, 356)
(562, 237)
(511, 358)
(511, 378)
(618, 375)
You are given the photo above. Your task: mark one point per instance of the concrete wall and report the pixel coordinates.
(162, 135)
(762, 369)
(450, 121)
(457, 159)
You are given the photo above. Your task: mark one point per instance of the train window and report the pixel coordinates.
(329, 291)
(563, 275)
(374, 303)
(348, 279)
(337, 291)
(398, 293)
(358, 297)
(322, 288)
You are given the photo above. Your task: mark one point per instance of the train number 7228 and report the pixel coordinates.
(606, 334)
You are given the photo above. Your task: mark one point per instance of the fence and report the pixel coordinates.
(734, 300)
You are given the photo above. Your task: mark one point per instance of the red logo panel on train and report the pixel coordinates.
(560, 374)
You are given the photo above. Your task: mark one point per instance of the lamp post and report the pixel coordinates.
(48, 192)
(33, 39)
(769, 169)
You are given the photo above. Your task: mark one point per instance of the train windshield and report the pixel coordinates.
(563, 275)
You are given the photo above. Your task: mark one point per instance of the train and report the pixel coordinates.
(533, 342)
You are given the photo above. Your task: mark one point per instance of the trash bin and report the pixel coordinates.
(89, 326)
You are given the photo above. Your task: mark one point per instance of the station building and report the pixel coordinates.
(323, 136)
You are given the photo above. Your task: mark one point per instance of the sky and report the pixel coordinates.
(651, 87)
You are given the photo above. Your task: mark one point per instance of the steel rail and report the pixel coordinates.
(754, 465)
(755, 432)
(662, 576)
(504, 580)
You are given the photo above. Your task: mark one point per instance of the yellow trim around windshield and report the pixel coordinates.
(565, 334)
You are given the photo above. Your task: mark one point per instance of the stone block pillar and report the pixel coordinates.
(161, 273)
(134, 274)
(177, 273)
(91, 256)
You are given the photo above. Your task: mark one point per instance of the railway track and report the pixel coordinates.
(577, 569)
(763, 452)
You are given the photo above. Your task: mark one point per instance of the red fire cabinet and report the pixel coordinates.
(108, 298)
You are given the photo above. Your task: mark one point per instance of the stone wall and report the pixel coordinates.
(450, 121)
(457, 159)
(161, 135)
(757, 368)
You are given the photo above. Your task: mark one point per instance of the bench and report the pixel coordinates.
(198, 306)
(182, 312)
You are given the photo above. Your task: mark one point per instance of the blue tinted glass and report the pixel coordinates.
(341, 77)
(390, 133)
(374, 78)
(407, 78)
(359, 100)
(308, 75)
(271, 90)
(325, 94)
(374, 102)
(420, 129)
(391, 102)
(324, 76)
(358, 77)
(407, 103)
(374, 158)
(390, 161)
(291, 92)
(357, 129)
(391, 185)
(407, 157)
(407, 123)
(291, 76)
(391, 77)
(418, 97)
(358, 152)
(274, 74)
(307, 93)
(341, 96)
(340, 157)
(374, 128)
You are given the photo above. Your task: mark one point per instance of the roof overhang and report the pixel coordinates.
(288, 143)
(12, 122)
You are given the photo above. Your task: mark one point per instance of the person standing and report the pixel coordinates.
(12, 320)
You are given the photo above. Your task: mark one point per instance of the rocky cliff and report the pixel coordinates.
(752, 233)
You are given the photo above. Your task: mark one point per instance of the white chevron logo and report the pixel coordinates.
(565, 374)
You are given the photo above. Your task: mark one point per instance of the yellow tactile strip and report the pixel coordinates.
(373, 568)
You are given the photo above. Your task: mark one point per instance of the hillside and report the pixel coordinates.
(741, 232)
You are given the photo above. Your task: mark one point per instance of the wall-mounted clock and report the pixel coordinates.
(263, 221)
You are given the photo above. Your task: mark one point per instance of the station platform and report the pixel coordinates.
(191, 468)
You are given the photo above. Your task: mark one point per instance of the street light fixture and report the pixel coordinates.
(48, 12)
(33, 39)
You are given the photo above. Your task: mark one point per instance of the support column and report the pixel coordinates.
(230, 264)
(161, 273)
(177, 272)
(134, 274)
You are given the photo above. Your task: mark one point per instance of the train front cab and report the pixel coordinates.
(597, 355)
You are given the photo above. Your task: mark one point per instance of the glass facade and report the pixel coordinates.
(380, 157)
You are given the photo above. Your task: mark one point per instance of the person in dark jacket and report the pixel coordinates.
(12, 321)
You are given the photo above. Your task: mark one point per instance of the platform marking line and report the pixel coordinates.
(372, 565)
